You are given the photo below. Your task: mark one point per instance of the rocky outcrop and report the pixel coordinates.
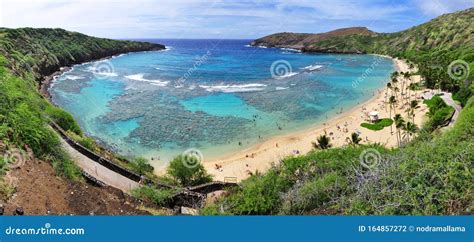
(308, 42)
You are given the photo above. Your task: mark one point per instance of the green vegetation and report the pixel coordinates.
(160, 197)
(355, 139)
(463, 94)
(63, 119)
(26, 56)
(439, 113)
(41, 52)
(323, 142)
(188, 171)
(379, 125)
(24, 123)
(141, 166)
(430, 175)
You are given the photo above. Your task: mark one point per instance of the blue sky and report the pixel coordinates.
(245, 19)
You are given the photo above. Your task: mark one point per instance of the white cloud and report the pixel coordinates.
(434, 8)
(210, 18)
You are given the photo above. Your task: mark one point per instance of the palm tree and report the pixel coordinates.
(406, 76)
(389, 87)
(323, 142)
(395, 90)
(399, 125)
(410, 129)
(394, 74)
(413, 106)
(394, 85)
(391, 101)
(354, 139)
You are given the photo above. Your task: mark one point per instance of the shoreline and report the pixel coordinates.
(240, 164)
(47, 81)
(261, 156)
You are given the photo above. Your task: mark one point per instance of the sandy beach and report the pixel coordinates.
(260, 157)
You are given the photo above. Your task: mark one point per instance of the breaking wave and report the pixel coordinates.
(253, 87)
(139, 77)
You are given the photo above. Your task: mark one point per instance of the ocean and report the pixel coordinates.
(214, 96)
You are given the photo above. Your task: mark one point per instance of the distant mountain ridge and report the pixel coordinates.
(44, 50)
(302, 41)
(433, 46)
(448, 32)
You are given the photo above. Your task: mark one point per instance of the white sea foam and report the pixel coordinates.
(111, 74)
(281, 88)
(253, 87)
(120, 55)
(313, 67)
(73, 77)
(139, 77)
(101, 73)
(291, 50)
(287, 75)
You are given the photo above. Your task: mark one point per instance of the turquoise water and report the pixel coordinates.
(217, 96)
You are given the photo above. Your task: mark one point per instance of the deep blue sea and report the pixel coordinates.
(217, 96)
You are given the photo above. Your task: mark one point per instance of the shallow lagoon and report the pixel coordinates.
(217, 96)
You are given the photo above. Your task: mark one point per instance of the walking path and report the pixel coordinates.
(448, 99)
(100, 172)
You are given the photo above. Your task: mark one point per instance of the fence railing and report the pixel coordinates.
(194, 196)
(95, 157)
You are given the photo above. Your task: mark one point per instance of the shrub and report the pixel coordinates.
(434, 104)
(188, 171)
(464, 94)
(379, 125)
(160, 197)
(141, 166)
(259, 194)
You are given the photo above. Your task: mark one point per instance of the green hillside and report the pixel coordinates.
(432, 46)
(433, 174)
(44, 51)
(26, 56)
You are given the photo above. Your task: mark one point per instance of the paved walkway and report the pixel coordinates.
(448, 99)
(99, 171)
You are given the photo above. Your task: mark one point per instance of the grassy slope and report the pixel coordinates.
(432, 175)
(26, 55)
